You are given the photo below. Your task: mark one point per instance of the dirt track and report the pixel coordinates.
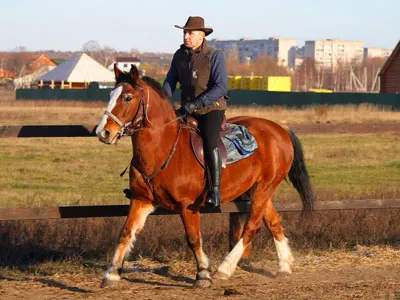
(368, 273)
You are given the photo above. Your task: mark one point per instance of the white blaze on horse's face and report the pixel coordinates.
(114, 95)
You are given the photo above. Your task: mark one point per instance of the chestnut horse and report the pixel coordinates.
(164, 172)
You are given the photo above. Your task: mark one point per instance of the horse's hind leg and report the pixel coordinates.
(138, 212)
(191, 222)
(273, 222)
(260, 198)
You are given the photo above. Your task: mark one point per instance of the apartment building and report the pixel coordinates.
(282, 50)
(377, 52)
(328, 53)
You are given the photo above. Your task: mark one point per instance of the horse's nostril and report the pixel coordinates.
(106, 133)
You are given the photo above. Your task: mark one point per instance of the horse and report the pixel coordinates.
(164, 173)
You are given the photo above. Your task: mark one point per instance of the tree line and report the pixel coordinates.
(345, 77)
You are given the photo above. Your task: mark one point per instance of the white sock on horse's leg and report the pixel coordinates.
(285, 257)
(228, 266)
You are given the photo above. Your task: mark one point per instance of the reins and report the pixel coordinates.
(130, 128)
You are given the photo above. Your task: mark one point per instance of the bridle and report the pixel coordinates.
(137, 124)
(129, 128)
(141, 116)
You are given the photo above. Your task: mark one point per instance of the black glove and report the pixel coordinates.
(188, 108)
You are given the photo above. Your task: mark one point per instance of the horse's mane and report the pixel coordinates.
(156, 85)
(125, 77)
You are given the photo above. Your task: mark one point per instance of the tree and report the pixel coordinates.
(108, 55)
(91, 46)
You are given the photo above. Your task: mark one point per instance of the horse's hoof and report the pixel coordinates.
(285, 269)
(108, 283)
(220, 276)
(202, 283)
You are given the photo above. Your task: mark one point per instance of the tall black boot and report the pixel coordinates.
(214, 163)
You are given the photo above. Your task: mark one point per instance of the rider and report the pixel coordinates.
(201, 71)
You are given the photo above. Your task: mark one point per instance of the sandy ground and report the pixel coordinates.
(364, 273)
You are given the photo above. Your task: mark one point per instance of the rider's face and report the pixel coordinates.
(193, 38)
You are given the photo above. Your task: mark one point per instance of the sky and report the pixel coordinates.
(148, 26)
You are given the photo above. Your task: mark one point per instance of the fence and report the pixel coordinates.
(237, 97)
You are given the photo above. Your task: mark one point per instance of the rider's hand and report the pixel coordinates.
(188, 108)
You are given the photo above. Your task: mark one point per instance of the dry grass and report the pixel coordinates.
(363, 113)
(80, 112)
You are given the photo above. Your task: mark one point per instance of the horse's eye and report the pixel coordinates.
(128, 99)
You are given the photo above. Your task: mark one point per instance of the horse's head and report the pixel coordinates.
(126, 108)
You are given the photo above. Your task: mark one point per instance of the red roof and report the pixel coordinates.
(5, 73)
(127, 59)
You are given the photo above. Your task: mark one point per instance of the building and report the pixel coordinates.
(6, 78)
(124, 63)
(377, 52)
(78, 72)
(39, 66)
(328, 53)
(43, 61)
(282, 50)
(390, 73)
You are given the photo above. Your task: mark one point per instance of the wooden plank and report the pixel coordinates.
(7, 131)
(43, 213)
(65, 212)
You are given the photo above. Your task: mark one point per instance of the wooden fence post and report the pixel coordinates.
(236, 226)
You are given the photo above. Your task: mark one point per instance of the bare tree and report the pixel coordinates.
(108, 55)
(91, 46)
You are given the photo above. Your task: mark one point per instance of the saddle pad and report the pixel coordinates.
(239, 143)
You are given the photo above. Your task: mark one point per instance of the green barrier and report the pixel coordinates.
(237, 97)
(49, 94)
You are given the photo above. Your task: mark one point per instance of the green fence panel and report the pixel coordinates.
(237, 97)
(49, 94)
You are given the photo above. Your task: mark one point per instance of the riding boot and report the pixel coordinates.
(214, 162)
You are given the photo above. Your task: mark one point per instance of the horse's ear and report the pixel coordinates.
(117, 71)
(134, 73)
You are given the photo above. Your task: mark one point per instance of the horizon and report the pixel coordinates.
(44, 25)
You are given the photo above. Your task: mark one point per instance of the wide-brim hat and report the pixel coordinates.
(195, 23)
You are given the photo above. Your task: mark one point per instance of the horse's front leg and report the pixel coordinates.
(191, 221)
(138, 212)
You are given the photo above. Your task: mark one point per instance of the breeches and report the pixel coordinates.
(210, 126)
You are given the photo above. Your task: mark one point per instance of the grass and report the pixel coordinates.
(61, 171)
(353, 166)
(83, 171)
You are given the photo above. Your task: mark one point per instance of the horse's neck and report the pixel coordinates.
(153, 145)
(160, 111)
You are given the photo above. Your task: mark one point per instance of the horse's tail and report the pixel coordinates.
(298, 174)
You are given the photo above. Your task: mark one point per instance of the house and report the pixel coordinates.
(390, 73)
(6, 74)
(6, 78)
(124, 63)
(78, 72)
(40, 62)
(39, 66)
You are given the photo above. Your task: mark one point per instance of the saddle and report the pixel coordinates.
(196, 141)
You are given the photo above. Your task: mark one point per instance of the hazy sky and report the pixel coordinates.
(149, 25)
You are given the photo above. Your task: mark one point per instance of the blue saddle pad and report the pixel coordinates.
(239, 143)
